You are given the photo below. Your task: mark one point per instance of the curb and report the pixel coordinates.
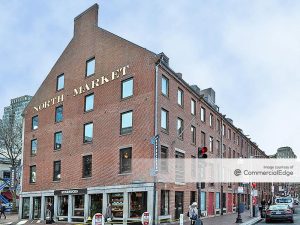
(252, 221)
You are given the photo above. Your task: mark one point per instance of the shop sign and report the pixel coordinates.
(146, 220)
(70, 192)
(98, 219)
(101, 80)
(155, 142)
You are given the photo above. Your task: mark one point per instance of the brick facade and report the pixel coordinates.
(112, 53)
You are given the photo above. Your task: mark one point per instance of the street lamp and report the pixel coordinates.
(239, 217)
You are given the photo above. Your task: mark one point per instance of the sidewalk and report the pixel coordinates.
(10, 218)
(228, 219)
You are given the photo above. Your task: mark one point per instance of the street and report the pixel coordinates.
(296, 219)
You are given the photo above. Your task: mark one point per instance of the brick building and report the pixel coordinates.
(97, 110)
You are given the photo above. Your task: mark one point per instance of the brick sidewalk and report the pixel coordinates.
(228, 219)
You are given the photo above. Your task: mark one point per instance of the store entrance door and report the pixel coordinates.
(36, 208)
(178, 204)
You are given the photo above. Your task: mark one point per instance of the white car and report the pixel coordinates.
(286, 201)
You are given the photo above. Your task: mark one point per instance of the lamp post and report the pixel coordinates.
(239, 218)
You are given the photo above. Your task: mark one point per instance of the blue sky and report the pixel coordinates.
(247, 51)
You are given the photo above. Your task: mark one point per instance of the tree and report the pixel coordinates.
(11, 150)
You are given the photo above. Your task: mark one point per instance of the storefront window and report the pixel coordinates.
(25, 208)
(62, 207)
(96, 204)
(36, 208)
(164, 207)
(138, 204)
(78, 205)
(116, 201)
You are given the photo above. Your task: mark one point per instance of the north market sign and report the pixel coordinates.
(98, 82)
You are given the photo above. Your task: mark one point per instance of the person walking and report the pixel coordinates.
(2, 210)
(108, 213)
(193, 213)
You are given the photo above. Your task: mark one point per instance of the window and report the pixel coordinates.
(233, 154)
(164, 208)
(229, 134)
(127, 88)
(33, 146)
(180, 128)
(218, 125)
(179, 167)
(193, 133)
(224, 130)
(234, 137)
(164, 119)
(89, 102)
(90, 67)
(35, 123)
(180, 97)
(202, 114)
(125, 160)
(59, 113)
(60, 82)
(126, 122)
(57, 140)
(238, 140)
(165, 86)
(211, 120)
(218, 147)
(224, 151)
(87, 166)
(229, 152)
(88, 133)
(211, 144)
(32, 177)
(164, 157)
(203, 143)
(56, 170)
(193, 107)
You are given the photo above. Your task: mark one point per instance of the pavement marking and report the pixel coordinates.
(22, 222)
(38, 221)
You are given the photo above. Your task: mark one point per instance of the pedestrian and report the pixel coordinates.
(193, 213)
(2, 210)
(51, 208)
(108, 213)
(269, 202)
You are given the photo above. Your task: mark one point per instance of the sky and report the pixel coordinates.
(247, 51)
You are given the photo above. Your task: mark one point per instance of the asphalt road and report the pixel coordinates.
(296, 219)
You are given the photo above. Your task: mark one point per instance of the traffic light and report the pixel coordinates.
(202, 152)
(253, 185)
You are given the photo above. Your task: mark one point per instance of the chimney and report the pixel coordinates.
(196, 88)
(86, 21)
(179, 75)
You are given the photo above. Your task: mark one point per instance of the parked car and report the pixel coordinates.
(296, 201)
(286, 201)
(279, 212)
